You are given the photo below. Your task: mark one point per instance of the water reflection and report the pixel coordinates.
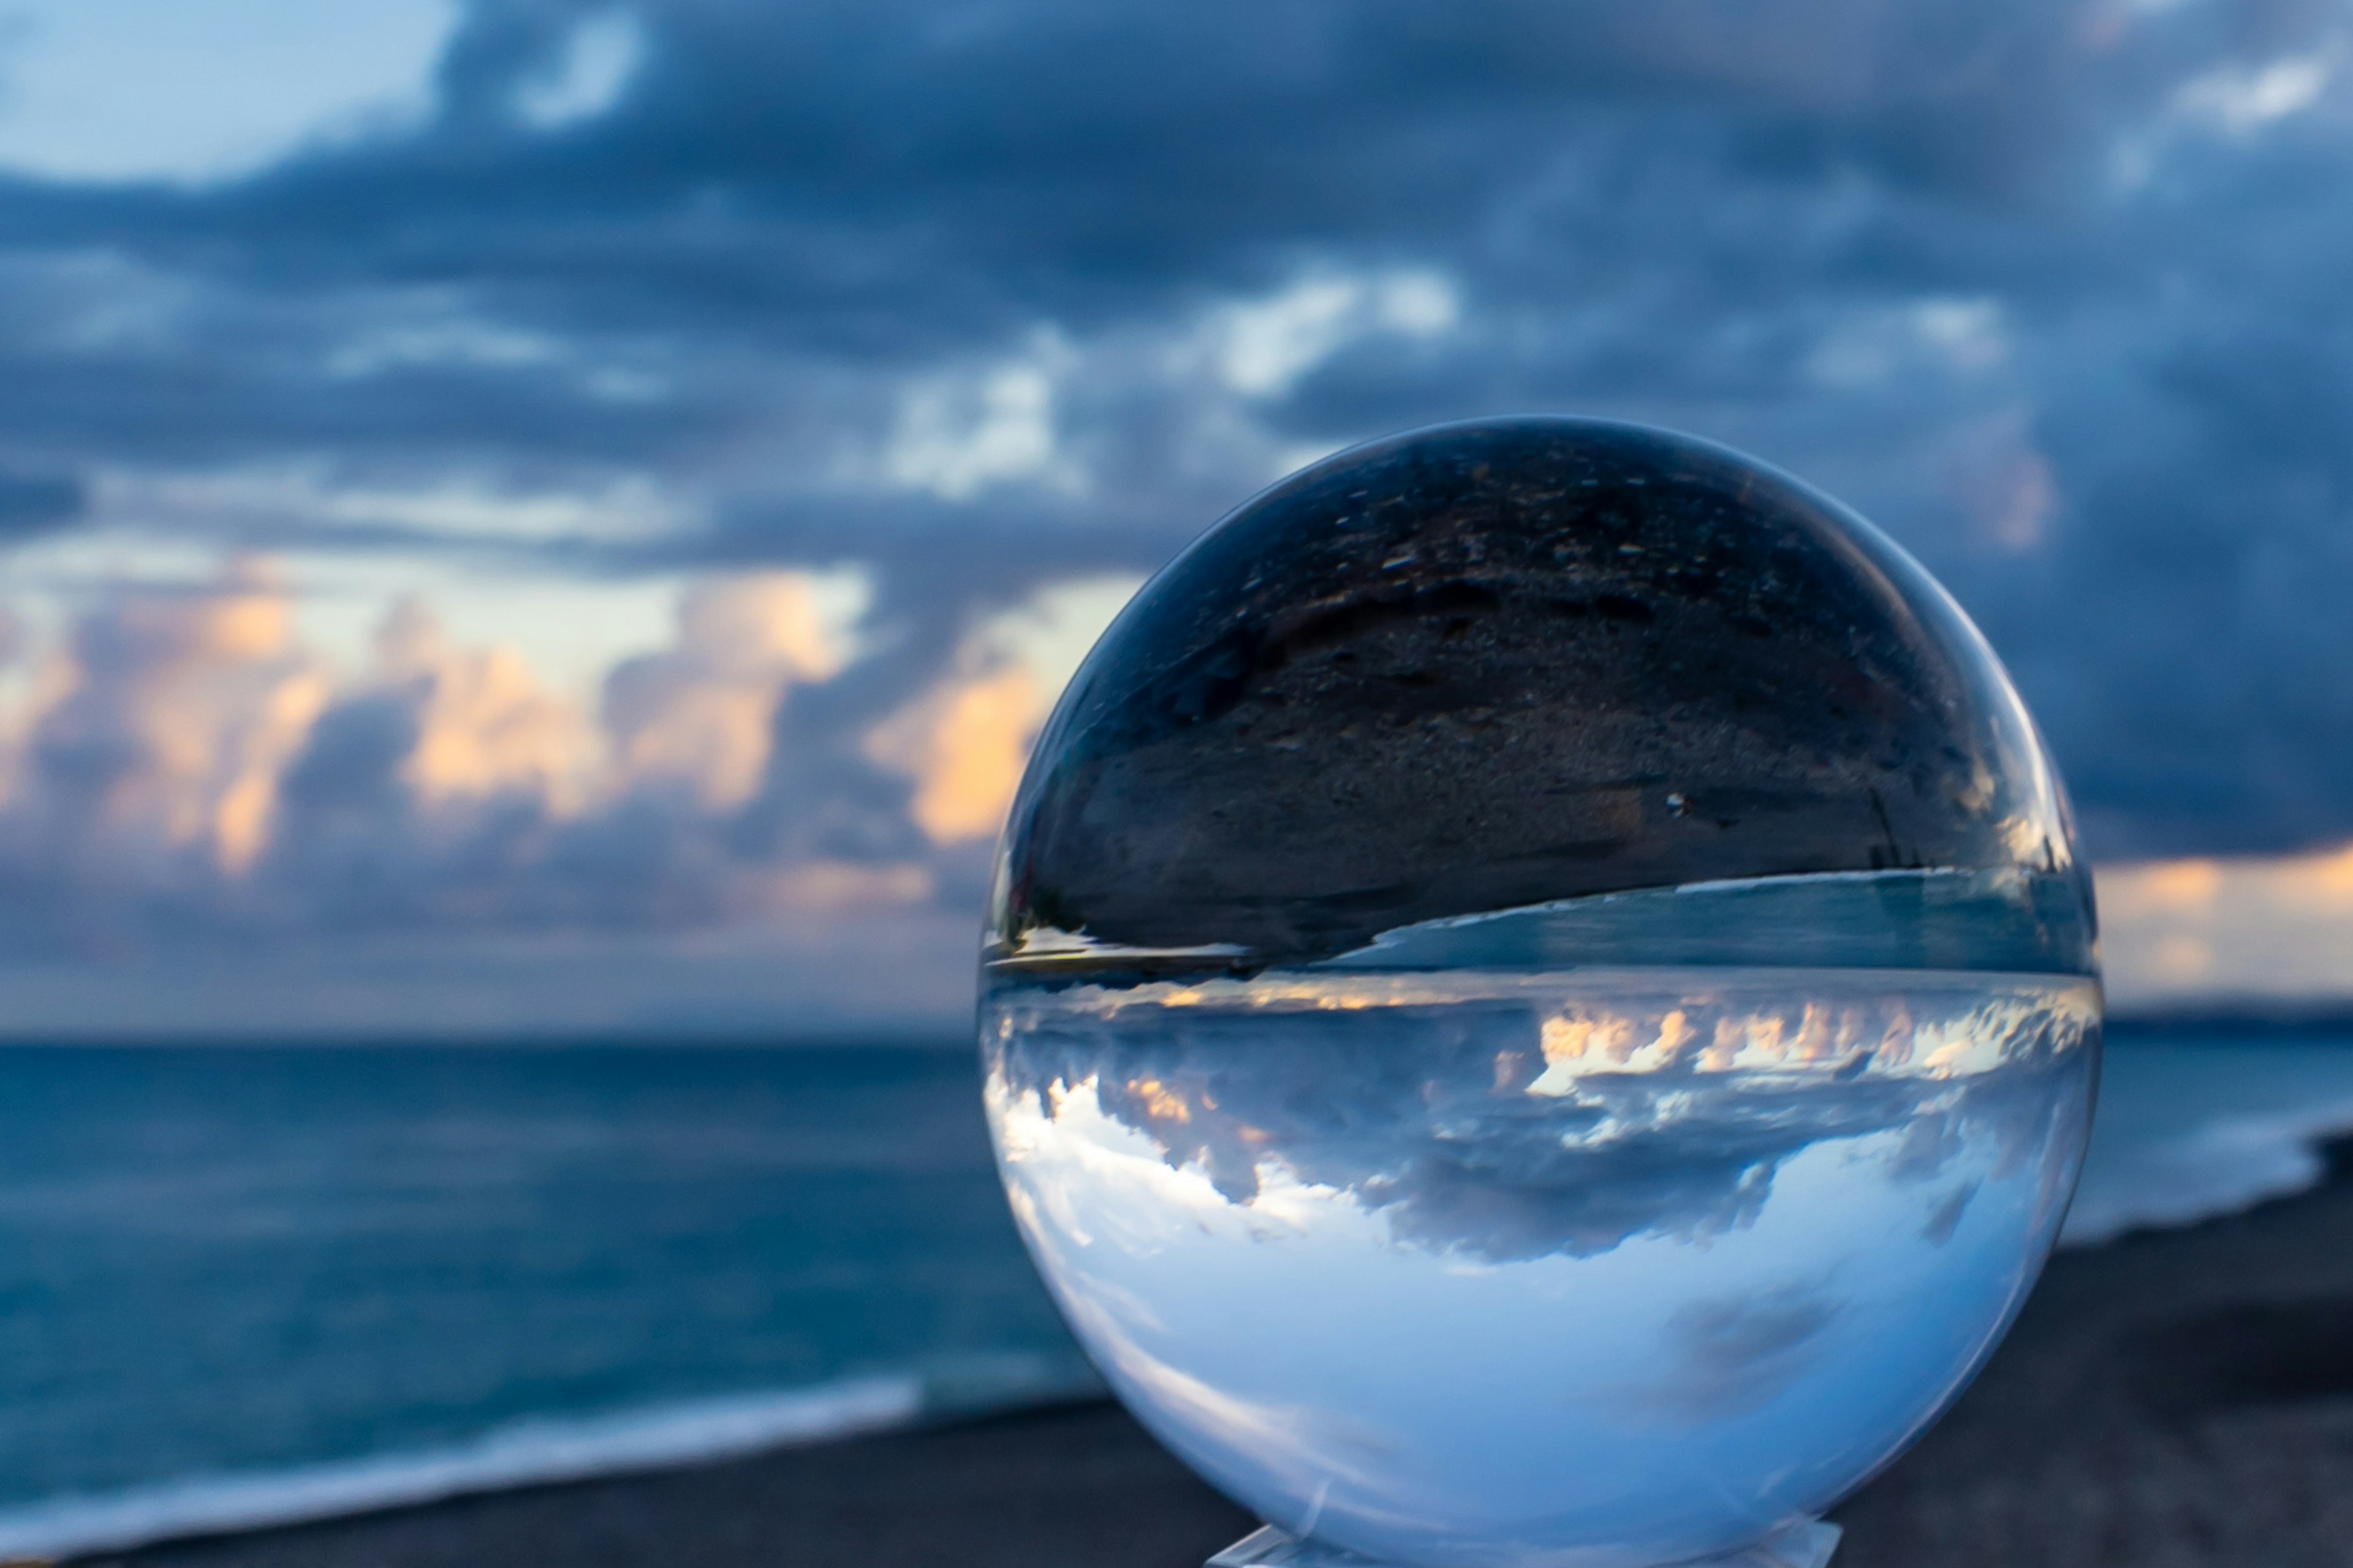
(1585, 1267)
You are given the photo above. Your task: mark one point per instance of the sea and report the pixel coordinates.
(251, 1285)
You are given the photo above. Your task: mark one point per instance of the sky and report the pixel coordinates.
(523, 515)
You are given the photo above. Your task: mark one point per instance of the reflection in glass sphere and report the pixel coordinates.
(1540, 1007)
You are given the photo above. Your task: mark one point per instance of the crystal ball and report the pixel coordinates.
(1539, 1006)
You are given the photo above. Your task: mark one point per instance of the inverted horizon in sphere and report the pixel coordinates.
(2001, 919)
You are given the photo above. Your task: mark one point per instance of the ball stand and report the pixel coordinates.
(1808, 1543)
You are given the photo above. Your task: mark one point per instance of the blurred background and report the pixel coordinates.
(528, 524)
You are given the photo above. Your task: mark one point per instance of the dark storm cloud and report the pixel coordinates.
(940, 163)
(36, 504)
(2052, 292)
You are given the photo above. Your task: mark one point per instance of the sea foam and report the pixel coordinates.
(2187, 1132)
(527, 1452)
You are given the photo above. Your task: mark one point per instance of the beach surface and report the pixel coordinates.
(2171, 1398)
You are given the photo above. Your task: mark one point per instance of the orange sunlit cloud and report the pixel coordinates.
(193, 703)
(2281, 927)
(486, 725)
(965, 746)
(965, 743)
(187, 707)
(701, 713)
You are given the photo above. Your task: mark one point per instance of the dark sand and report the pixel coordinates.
(2171, 1399)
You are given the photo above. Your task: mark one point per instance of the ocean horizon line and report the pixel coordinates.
(2283, 1018)
(941, 1039)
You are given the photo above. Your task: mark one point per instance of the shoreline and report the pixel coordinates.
(2171, 1397)
(1070, 1482)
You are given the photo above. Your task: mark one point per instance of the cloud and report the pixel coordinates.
(179, 773)
(2235, 929)
(964, 742)
(482, 726)
(2048, 290)
(699, 715)
(2243, 99)
(1738, 1353)
(36, 503)
(1500, 1119)
(957, 435)
(1265, 346)
(588, 77)
(449, 787)
(974, 301)
(965, 746)
(153, 760)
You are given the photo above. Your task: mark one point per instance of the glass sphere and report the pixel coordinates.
(1540, 1007)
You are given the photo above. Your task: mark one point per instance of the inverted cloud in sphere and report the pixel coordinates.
(1437, 1116)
